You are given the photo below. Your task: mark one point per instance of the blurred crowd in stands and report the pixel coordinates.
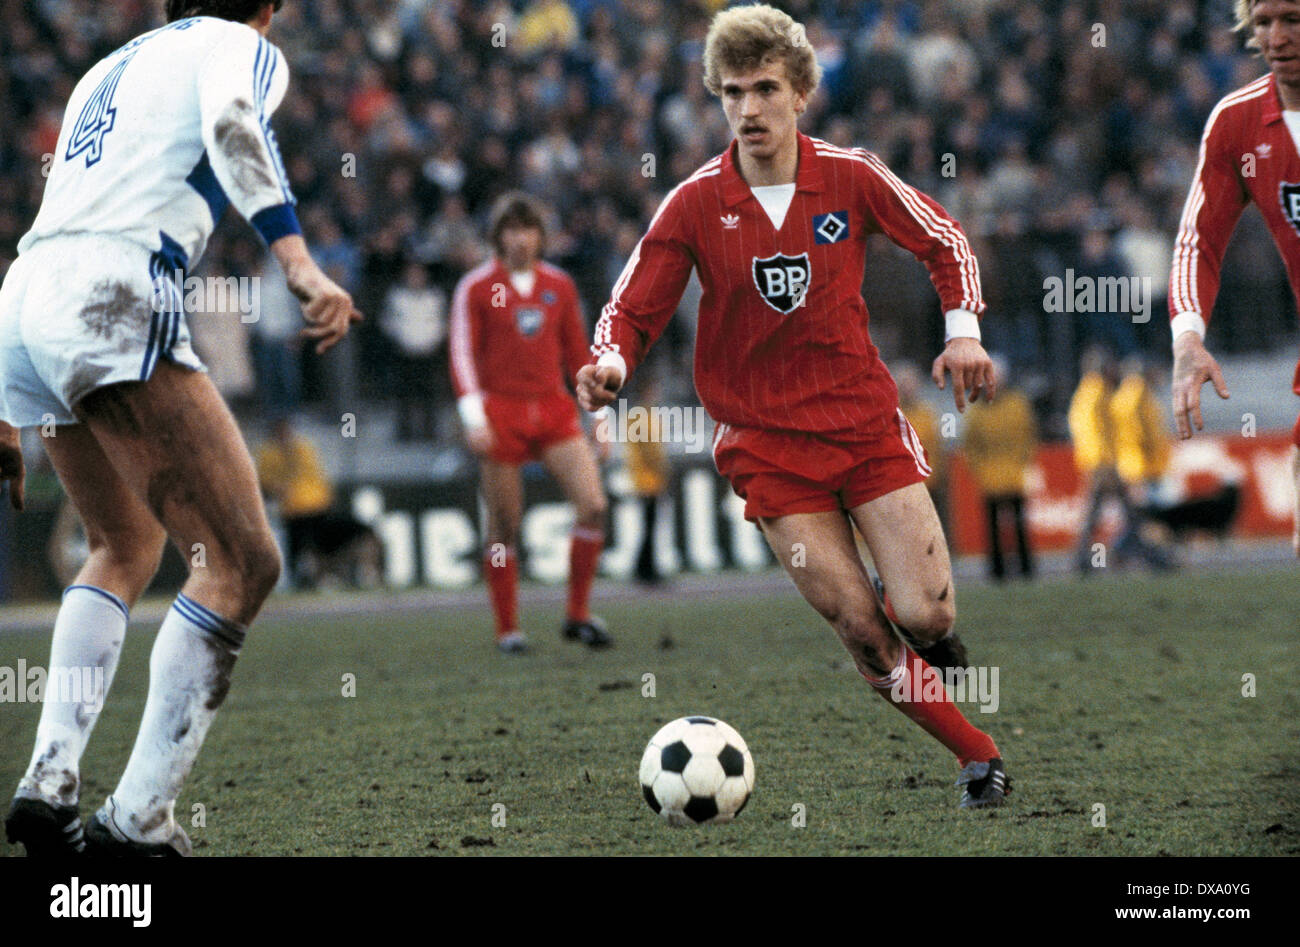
(1061, 134)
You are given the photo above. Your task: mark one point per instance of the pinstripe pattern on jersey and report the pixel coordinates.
(813, 369)
(1184, 289)
(943, 230)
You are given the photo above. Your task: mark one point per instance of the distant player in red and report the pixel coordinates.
(809, 431)
(516, 335)
(1250, 152)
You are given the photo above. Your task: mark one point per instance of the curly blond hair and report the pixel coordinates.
(746, 38)
(1241, 10)
(1241, 13)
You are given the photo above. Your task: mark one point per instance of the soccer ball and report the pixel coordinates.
(697, 770)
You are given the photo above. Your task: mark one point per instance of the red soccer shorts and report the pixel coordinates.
(524, 427)
(778, 473)
(1295, 433)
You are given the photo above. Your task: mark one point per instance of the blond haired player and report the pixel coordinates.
(1250, 151)
(809, 430)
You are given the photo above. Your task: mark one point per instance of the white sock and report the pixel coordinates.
(189, 674)
(88, 635)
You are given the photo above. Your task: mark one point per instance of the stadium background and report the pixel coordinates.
(1072, 129)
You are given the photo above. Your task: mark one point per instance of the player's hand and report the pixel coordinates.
(971, 370)
(1193, 367)
(479, 440)
(598, 385)
(326, 306)
(11, 464)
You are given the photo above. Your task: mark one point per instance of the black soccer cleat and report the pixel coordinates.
(945, 654)
(591, 632)
(45, 831)
(105, 840)
(984, 785)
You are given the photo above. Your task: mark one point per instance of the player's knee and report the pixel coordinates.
(928, 618)
(260, 569)
(502, 530)
(503, 519)
(132, 551)
(591, 512)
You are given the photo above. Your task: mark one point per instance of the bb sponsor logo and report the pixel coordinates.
(782, 280)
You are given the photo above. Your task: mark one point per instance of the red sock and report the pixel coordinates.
(584, 556)
(904, 687)
(501, 570)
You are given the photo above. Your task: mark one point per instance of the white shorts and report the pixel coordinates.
(81, 311)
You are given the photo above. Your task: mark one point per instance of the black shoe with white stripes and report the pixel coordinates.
(45, 831)
(984, 784)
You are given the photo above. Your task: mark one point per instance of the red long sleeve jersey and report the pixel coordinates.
(782, 340)
(503, 343)
(1247, 154)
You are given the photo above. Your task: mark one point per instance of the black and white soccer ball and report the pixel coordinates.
(697, 770)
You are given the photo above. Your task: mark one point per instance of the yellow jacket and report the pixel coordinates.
(293, 475)
(926, 424)
(1000, 441)
(1091, 427)
(647, 461)
(1142, 441)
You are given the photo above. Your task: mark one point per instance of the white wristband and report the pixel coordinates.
(472, 413)
(1187, 322)
(614, 360)
(961, 324)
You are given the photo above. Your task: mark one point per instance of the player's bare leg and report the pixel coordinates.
(126, 544)
(818, 551)
(573, 464)
(124, 537)
(173, 440)
(903, 533)
(503, 494)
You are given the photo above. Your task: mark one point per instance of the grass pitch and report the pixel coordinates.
(1123, 692)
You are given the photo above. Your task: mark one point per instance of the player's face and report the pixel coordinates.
(520, 246)
(762, 109)
(1276, 27)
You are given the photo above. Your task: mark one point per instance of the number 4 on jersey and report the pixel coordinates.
(96, 118)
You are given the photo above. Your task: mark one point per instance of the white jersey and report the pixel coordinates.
(162, 134)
